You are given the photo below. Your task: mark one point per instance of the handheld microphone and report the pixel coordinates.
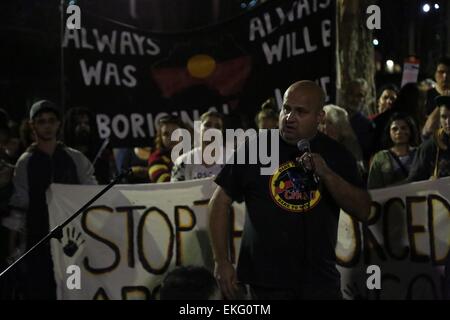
(307, 163)
(303, 145)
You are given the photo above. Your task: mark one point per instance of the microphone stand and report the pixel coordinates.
(57, 232)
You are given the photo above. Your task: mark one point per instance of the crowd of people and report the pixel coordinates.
(405, 139)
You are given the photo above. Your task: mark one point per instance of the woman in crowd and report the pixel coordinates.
(159, 162)
(410, 102)
(267, 118)
(391, 166)
(337, 126)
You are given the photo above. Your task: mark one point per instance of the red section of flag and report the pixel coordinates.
(227, 79)
(287, 185)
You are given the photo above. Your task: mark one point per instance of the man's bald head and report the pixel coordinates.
(302, 111)
(308, 90)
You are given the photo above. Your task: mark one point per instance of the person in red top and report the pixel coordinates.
(386, 98)
(159, 162)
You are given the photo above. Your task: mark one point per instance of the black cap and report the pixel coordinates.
(442, 101)
(41, 106)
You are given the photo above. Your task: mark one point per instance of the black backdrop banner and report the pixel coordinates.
(130, 78)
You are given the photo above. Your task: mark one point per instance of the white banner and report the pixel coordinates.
(122, 246)
(408, 237)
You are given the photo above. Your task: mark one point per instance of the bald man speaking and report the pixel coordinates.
(290, 233)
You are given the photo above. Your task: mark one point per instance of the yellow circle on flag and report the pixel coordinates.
(201, 65)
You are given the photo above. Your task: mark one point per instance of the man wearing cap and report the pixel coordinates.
(433, 156)
(44, 162)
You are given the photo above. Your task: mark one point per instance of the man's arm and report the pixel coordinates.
(355, 201)
(85, 169)
(18, 204)
(375, 179)
(423, 163)
(20, 197)
(432, 124)
(225, 273)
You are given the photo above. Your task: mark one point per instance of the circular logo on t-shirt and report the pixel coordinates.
(290, 189)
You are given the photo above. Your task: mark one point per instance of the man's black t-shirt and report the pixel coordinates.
(288, 241)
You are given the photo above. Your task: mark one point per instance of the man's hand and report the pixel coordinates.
(353, 200)
(314, 162)
(227, 279)
(322, 169)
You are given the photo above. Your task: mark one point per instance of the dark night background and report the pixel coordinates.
(30, 35)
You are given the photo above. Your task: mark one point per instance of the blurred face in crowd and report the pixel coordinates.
(356, 97)
(445, 119)
(45, 126)
(442, 77)
(266, 122)
(329, 128)
(166, 133)
(400, 132)
(82, 127)
(386, 100)
(302, 111)
(211, 122)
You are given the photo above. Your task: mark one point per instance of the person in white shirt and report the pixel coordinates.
(185, 167)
